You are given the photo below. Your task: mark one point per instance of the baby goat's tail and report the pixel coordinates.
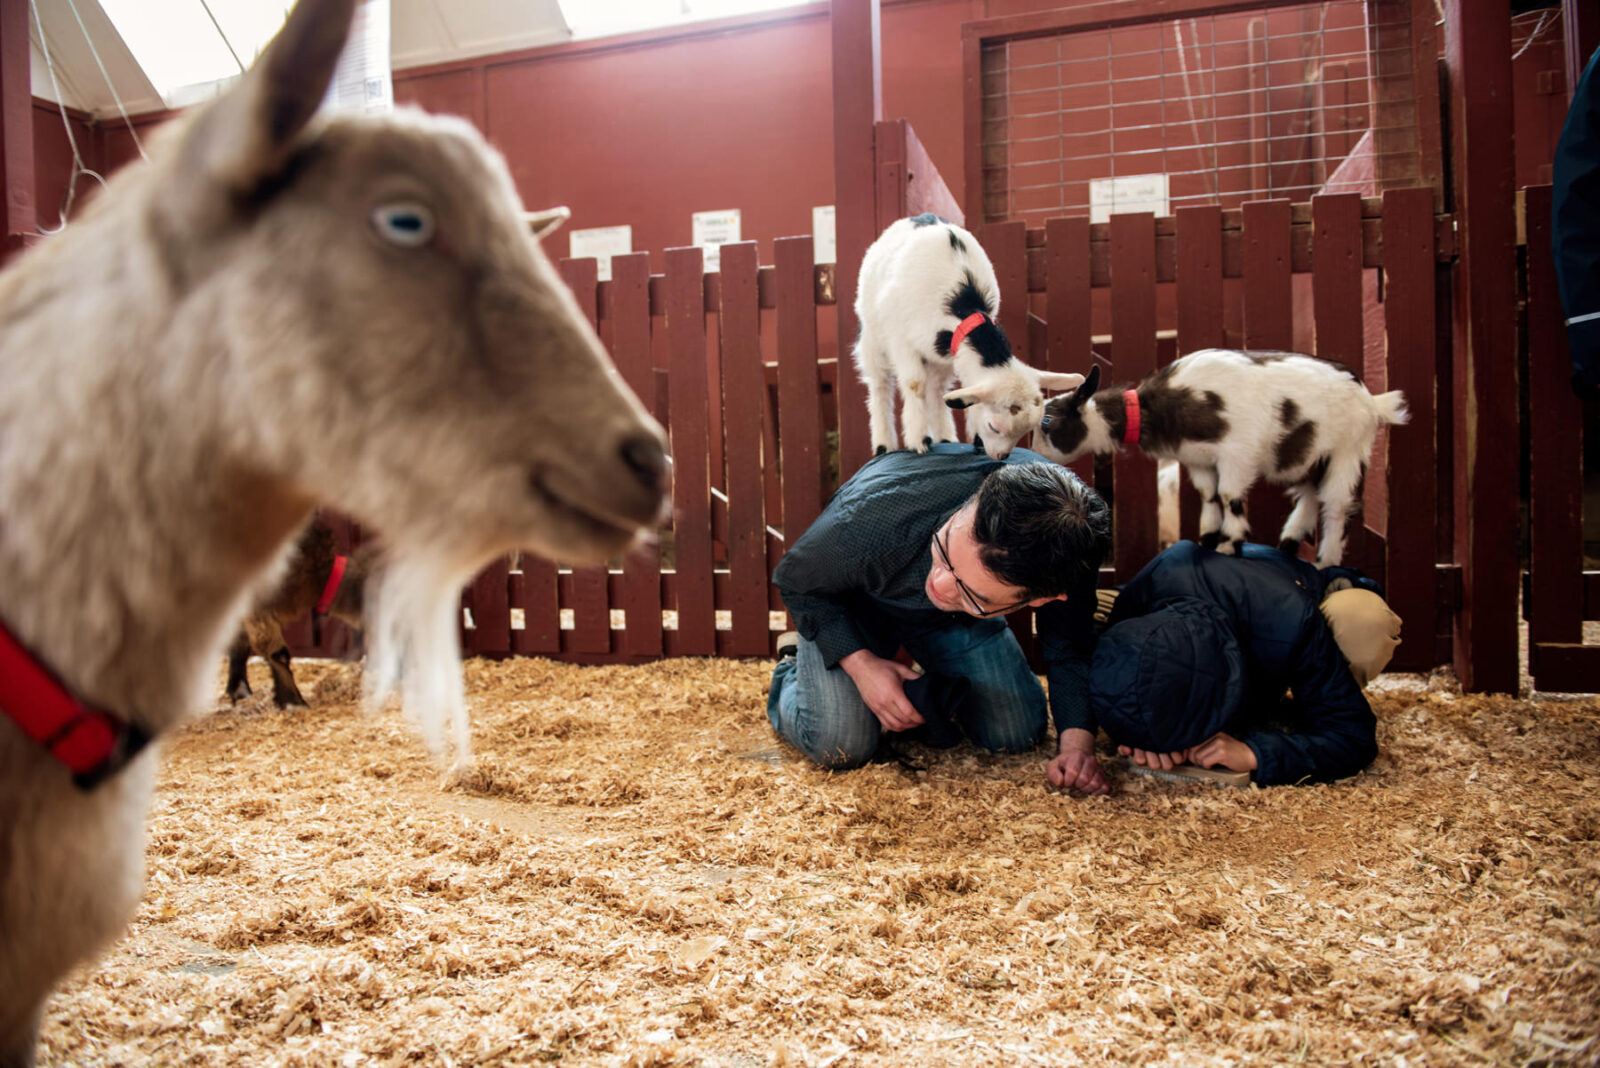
(1391, 407)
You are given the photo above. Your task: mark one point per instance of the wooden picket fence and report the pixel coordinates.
(730, 364)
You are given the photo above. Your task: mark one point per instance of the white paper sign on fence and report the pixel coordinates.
(601, 242)
(712, 230)
(823, 244)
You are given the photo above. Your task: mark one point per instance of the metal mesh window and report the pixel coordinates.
(1286, 102)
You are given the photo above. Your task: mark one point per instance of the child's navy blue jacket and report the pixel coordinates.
(1267, 603)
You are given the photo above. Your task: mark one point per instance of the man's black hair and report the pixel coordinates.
(1039, 528)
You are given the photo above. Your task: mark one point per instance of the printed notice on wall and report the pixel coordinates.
(822, 240)
(600, 242)
(712, 230)
(362, 81)
(1135, 192)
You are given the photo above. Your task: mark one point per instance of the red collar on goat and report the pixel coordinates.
(331, 590)
(91, 742)
(1130, 404)
(968, 325)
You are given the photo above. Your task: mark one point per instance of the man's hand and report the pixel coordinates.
(1075, 766)
(882, 685)
(1223, 750)
(1151, 759)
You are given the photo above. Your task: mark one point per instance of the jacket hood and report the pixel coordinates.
(1167, 679)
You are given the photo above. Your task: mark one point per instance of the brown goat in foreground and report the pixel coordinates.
(275, 312)
(302, 589)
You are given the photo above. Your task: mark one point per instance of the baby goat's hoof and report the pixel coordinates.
(1231, 547)
(881, 450)
(1289, 547)
(1209, 541)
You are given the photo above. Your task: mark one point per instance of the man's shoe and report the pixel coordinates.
(788, 645)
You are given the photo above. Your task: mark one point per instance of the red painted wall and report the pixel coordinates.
(650, 131)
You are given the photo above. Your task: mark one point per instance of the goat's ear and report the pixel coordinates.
(1059, 380)
(244, 139)
(546, 222)
(966, 398)
(1086, 390)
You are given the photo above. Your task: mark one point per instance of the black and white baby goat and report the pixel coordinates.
(927, 301)
(1231, 417)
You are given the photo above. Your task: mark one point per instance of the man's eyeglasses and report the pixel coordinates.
(974, 606)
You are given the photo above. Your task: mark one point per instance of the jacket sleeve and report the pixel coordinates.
(1066, 640)
(1575, 228)
(1337, 734)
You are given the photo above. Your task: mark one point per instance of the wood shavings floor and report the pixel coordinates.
(641, 875)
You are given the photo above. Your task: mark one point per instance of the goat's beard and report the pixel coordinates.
(412, 610)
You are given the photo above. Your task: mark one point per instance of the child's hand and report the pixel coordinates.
(1151, 759)
(1223, 750)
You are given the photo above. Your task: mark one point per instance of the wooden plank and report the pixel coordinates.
(1007, 247)
(1069, 310)
(799, 392)
(857, 107)
(1069, 319)
(17, 211)
(1133, 332)
(533, 590)
(1336, 278)
(1337, 314)
(743, 391)
(1568, 668)
(1409, 332)
(640, 592)
(1478, 56)
(688, 424)
(1198, 272)
(1555, 504)
(591, 609)
(491, 610)
(972, 127)
(1199, 276)
(1268, 324)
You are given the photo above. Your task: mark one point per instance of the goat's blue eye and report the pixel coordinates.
(405, 224)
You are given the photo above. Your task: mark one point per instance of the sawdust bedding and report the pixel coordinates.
(639, 874)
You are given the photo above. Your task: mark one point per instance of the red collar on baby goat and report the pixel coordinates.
(91, 742)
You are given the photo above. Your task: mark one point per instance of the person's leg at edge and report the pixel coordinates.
(1005, 711)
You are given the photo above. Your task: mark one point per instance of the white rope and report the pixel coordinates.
(77, 158)
(109, 83)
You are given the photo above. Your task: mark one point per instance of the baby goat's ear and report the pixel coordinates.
(1086, 390)
(242, 141)
(546, 222)
(966, 398)
(1059, 380)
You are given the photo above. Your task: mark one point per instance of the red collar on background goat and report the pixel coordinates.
(968, 325)
(91, 742)
(331, 590)
(1130, 405)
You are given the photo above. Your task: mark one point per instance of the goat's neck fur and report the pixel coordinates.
(1105, 418)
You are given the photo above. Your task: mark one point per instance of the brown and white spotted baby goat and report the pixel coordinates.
(1231, 417)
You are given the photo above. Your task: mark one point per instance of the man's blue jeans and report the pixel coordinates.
(818, 710)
